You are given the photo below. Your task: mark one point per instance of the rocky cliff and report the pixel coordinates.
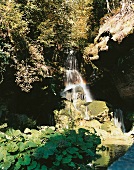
(113, 49)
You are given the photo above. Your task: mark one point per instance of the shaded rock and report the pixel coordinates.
(100, 111)
(124, 76)
(108, 126)
(101, 120)
(111, 47)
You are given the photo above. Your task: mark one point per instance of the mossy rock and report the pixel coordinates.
(107, 126)
(97, 107)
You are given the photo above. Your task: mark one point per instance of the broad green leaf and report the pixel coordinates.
(32, 165)
(48, 150)
(64, 152)
(80, 140)
(43, 167)
(1, 156)
(59, 157)
(80, 156)
(37, 167)
(35, 132)
(2, 135)
(21, 146)
(37, 141)
(89, 144)
(10, 158)
(27, 130)
(67, 159)
(72, 164)
(45, 155)
(57, 163)
(27, 159)
(12, 147)
(48, 131)
(20, 161)
(72, 150)
(90, 152)
(17, 133)
(17, 166)
(30, 144)
(6, 165)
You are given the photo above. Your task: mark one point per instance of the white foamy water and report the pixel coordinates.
(118, 119)
(74, 83)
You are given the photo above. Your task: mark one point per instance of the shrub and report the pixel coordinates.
(46, 149)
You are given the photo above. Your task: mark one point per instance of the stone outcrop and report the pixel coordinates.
(113, 49)
(101, 121)
(115, 27)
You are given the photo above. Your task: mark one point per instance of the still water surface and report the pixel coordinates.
(111, 154)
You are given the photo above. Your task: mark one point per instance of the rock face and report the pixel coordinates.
(124, 75)
(101, 120)
(113, 49)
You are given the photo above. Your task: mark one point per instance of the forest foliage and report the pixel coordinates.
(46, 149)
(34, 37)
(31, 28)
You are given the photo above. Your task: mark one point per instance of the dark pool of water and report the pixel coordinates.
(108, 156)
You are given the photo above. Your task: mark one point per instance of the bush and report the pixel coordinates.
(46, 149)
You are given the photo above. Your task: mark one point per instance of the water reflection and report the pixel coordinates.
(109, 155)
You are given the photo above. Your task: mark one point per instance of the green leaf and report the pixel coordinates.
(32, 165)
(89, 144)
(48, 149)
(6, 165)
(20, 161)
(80, 140)
(10, 158)
(64, 152)
(72, 164)
(1, 156)
(90, 152)
(59, 157)
(45, 155)
(17, 166)
(25, 160)
(21, 146)
(72, 150)
(43, 167)
(17, 133)
(80, 156)
(37, 167)
(67, 159)
(30, 144)
(49, 131)
(12, 147)
(27, 130)
(57, 163)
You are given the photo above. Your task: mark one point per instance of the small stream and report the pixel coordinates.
(111, 154)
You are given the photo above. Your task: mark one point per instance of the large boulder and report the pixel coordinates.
(101, 120)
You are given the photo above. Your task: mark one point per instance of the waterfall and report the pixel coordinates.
(75, 87)
(118, 119)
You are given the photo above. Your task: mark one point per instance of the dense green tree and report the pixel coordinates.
(28, 27)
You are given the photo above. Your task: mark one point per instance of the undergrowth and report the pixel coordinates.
(47, 149)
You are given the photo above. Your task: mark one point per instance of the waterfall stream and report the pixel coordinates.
(75, 87)
(118, 119)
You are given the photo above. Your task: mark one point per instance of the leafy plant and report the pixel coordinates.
(47, 149)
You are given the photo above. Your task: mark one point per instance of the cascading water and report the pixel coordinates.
(118, 119)
(74, 83)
